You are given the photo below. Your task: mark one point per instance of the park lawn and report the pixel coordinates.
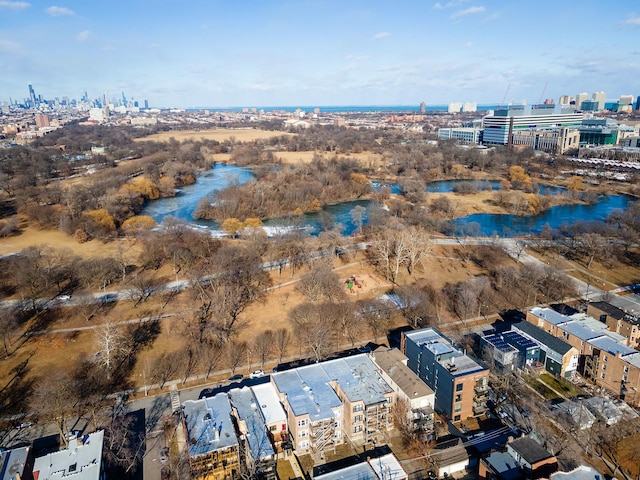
(217, 134)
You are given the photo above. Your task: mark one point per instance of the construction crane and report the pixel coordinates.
(542, 94)
(504, 98)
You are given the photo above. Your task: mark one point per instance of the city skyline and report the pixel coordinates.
(281, 52)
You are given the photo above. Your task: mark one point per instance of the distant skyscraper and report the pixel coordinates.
(601, 98)
(638, 103)
(423, 107)
(32, 95)
(124, 100)
(626, 100)
(565, 100)
(146, 104)
(581, 97)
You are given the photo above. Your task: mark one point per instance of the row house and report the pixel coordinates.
(617, 320)
(604, 358)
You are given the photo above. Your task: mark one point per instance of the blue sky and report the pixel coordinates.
(319, 52)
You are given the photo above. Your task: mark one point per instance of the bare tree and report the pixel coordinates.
(377, 314)
(52, 401)
(321, 283)
(418, 305)
(110, 342)
(282, 337)
(418, 247)
(8, 328)
(313, 329)
(124, 443)
(225, 286)
(236, 352)
(263, 345)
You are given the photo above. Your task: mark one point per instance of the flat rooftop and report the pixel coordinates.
(209, 425)
(457, 362)
(308, 392)
(251, 423)
(393, 362)
(81, 460)
(550, 315)
(269, 403)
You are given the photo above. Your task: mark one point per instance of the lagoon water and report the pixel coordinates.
(185, 202)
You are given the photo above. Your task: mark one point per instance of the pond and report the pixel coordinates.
(185, 202)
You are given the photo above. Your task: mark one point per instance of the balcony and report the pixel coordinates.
(481, 389)
(479, 409)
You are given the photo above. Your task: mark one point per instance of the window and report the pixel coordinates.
(604, 359)
(303, 422)
(357, 429)
(336, 424)
(272, 428)
(458, 397)
(604, 367)
(357, 408)
(304, 443)
(459, 387)
(303, 433)
(626, 369)
(73, 467)
(357, 419)
(602, 375)
(457, 408)
(624, 378)
(456, 418)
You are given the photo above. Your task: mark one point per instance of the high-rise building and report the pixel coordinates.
(423, 107)
(469, 107)
(454, 107)
(32, 95)
(581, 97)
(626, 100)
(146, 104)
(565, 100)
(638, 103)
(601, 98)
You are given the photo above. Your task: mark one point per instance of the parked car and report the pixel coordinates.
(237, 376)
(257, 374)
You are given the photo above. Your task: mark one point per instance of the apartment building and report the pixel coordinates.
(273, 414)
(214, 450)
(460, 382)
(617, 320)
(330, 401)
(420, 399)
(256, 449)
(605, 359)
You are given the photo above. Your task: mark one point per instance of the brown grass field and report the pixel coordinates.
(58, 349)
(218, 134)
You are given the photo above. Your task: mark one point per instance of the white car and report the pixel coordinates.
(256, 374)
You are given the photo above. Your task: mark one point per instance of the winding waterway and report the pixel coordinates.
(185, 202)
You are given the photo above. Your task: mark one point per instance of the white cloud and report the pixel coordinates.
(632, 22)
(468, 11)
(59, 11)
(453, 3)
(468, 44)
(380, 35)
(8, 4)
(83, 36)
(10, 47)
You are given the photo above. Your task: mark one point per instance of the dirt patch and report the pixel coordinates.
(218, 134)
